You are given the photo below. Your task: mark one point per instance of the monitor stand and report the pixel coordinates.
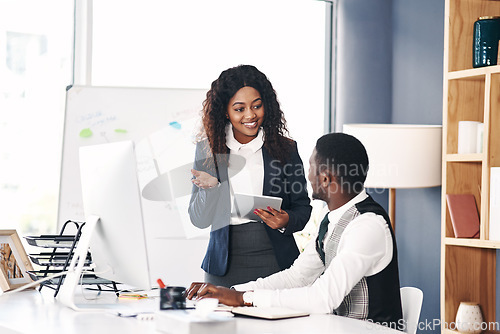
(66, 295)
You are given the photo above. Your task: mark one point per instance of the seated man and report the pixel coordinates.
(352, 268)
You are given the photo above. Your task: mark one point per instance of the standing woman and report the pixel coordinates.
(242, 148)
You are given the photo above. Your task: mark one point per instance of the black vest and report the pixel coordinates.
(375, 298)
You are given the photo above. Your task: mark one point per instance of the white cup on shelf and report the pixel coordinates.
(467, 137)
(480, 134)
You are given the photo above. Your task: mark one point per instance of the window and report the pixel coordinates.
(36, 40)
(186, 44)
(147, 43)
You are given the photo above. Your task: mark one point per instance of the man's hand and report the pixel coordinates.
(273, 218)
(203, 180)
(224, 295)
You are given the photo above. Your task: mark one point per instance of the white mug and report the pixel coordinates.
(467, 137)
(469, 318)
(480, 135)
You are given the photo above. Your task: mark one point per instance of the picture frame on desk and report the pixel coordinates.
(14, 262)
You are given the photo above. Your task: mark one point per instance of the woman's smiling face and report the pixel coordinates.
(245, 111)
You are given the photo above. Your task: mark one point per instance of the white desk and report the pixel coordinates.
(37, 313)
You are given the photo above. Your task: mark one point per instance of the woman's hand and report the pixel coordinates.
(203, 180)
(273, 218)
(225, 296)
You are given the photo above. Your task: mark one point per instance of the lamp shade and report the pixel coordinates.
(400, 155)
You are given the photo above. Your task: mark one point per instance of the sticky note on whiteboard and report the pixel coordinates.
(175, 125)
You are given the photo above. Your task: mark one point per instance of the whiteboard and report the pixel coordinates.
(162, 122)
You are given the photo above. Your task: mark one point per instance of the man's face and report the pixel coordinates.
(315, 178)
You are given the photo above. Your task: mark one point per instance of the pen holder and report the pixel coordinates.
(173, 298)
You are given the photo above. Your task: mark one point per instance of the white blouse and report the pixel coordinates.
(246, 168)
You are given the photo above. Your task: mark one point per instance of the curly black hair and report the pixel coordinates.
(214, 111)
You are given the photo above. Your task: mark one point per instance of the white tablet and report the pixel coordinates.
(245, 204)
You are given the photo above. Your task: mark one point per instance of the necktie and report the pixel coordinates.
(323, 227)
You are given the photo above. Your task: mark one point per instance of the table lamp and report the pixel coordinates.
(400, 156)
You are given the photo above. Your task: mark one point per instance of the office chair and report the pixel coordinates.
(411, 303)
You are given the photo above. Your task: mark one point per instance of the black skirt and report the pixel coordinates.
(251, 256)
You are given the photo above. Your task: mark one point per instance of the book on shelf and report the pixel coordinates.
(464, 215)
(495, 203)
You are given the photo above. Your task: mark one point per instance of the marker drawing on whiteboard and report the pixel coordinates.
(103, 134)
(175, 125)
(121, 131)
(86, 133)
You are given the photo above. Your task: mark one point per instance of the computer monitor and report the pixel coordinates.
(114, 228)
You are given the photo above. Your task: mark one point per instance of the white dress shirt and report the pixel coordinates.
(365, 249)
(246, 168)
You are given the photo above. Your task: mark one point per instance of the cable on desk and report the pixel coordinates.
(93, 272)
(37, 282)
(138, 316)
(34, 283)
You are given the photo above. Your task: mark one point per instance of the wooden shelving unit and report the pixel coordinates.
(468, 266)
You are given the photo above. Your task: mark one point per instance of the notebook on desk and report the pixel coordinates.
(270, 313)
